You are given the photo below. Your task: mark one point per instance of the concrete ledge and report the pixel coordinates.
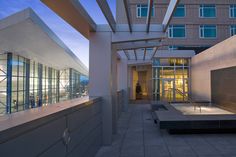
(172, 119)
(69, 128)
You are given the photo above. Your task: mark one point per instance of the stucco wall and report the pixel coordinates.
(220, 56)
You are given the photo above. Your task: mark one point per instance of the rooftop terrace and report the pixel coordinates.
(138, 136)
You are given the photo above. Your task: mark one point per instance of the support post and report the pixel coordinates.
(102, 81)
(27, 84)
(9, 82)
(50, 85)
(58, 86)
(70, 83)
(40, 82)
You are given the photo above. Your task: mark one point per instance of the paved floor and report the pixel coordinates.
(138, 136)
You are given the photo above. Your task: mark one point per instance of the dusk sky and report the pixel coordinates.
(74, 40)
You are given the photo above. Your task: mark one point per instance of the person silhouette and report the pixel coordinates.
(138, 91)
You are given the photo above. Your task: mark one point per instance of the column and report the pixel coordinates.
(9, 82)
(27, 84)
(40, 85)
(58, 85)
(102, 73)
(49, 85)
(70, 83)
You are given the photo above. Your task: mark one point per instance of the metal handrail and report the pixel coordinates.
(190, 100)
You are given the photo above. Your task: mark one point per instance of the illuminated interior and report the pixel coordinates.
(170, 79)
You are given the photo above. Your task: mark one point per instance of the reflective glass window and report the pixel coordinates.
(208, 31)
(179, 11)
(207, 10)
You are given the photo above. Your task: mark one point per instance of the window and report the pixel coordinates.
(179, 11)
(233, 30)
(142, 10)
(232, 11)
(208, 31)
(173, 47)
(208, 11)
(176, 31)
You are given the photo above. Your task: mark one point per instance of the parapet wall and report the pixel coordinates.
(222, 55)
(71, 128)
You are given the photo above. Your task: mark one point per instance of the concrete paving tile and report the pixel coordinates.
(196, 141)
(132, 151)
(181, 151)
(205, 150)
(154, 142)
(156, 151)
(108, 152)
(175, 141)
(138, 136)
(227, 149)
(128, 143)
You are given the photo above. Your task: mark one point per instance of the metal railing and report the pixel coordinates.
(189, 99)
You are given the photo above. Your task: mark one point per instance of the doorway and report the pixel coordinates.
(141, 75)
(167, 90)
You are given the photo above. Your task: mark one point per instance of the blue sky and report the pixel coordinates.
(74, 40)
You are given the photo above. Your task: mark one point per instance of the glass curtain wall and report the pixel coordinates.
(84, 80)
(171, 79)
(18, 85)
(64, 84)
(3, 83)
(28, 84)
(75, 84)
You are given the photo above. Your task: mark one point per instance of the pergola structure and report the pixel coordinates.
(139, 37)
(129, 42)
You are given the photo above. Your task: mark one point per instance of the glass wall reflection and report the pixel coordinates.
(170, 79)
(25, 84)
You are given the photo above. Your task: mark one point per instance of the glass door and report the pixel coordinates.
(167, 91)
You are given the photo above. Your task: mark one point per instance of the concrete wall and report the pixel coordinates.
(45, 132)
(223, 87)
(122, 81)
(220, 56)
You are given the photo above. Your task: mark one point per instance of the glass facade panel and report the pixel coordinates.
(179, 11)
(64, 84)
(3, 82)
(208, 31)
(32, 84)
(176, 31)
(170, 79)
(142, 10)
(207, 10)
(232, 11)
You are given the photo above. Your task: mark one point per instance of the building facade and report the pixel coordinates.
(195, 25)
(30, 74)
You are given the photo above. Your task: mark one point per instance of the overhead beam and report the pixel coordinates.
(144, 54)
(74, 13)
(133, 45)
(135, 54)
(128, 14)
(122, 37)
(107, 13)
(169, 13)
(154, 52)
(126, 53)
(149, 14)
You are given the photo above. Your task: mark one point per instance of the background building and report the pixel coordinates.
(36, 67)
(196, 24)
